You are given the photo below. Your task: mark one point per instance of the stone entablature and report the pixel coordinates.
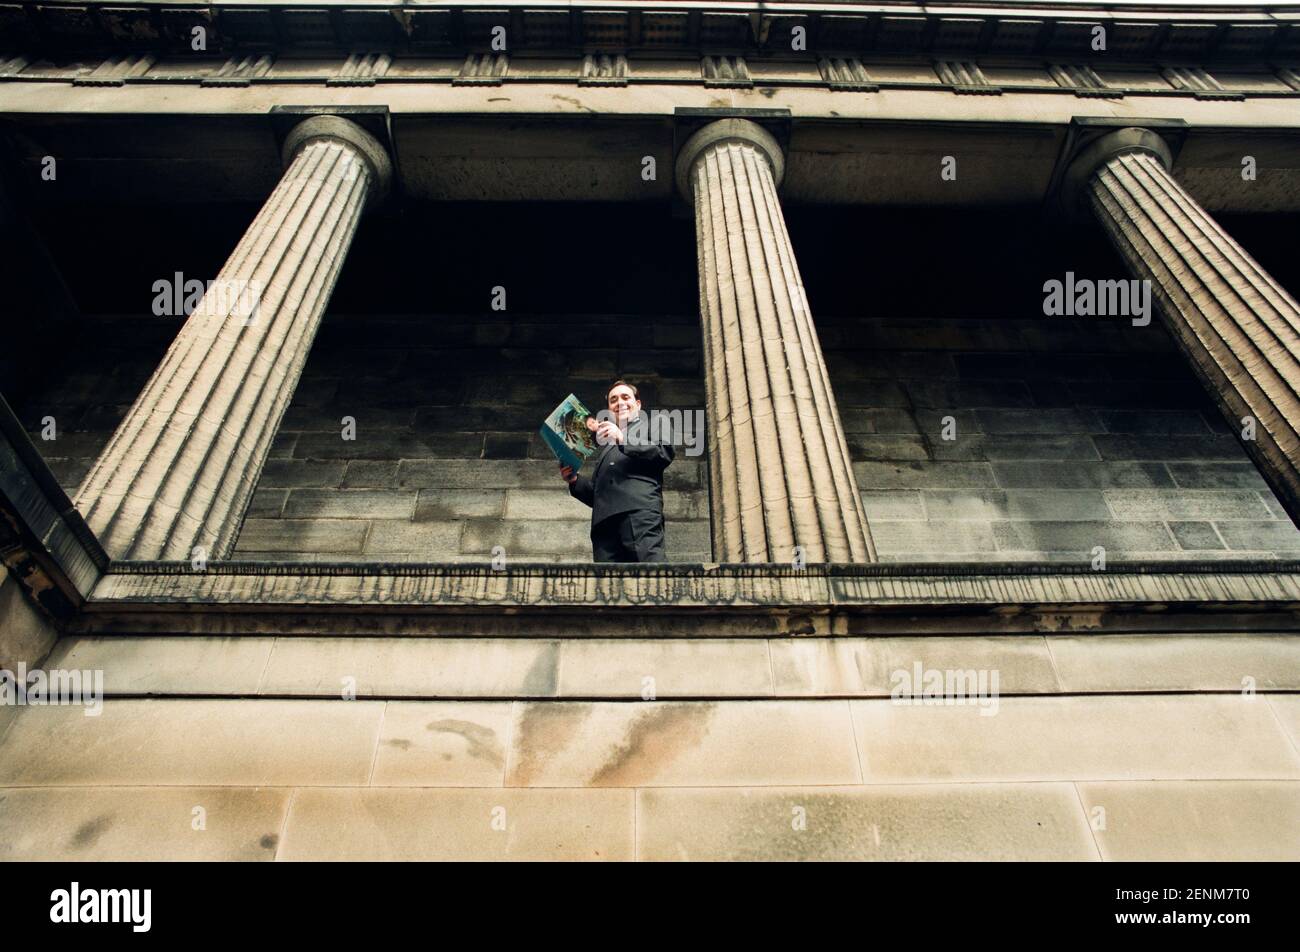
(1135, 31)
(860, 75)
(738, 600)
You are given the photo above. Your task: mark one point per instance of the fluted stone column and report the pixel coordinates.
(180, 470)
(779, 466)
(1237, 326)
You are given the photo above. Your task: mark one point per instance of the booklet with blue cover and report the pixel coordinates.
(567, 434)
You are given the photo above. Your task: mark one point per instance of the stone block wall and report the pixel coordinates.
(1069, 434)
(87, 385)
(446, 464)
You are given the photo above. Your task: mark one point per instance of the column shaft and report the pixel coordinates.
(1237, 326)
(780, 473)
(180, 470)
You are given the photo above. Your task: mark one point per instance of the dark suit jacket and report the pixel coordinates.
(624, 478)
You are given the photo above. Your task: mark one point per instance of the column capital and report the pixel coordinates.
(1101, 150)
(728, 130)
(343, 130)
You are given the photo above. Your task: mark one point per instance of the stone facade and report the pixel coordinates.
(283, 551)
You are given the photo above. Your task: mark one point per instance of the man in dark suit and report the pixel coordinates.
(625, 488)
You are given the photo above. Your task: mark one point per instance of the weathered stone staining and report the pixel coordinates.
(782, 484)
(180, 470)
(1238, 327)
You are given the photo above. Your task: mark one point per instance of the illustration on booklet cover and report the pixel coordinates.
(568, 431)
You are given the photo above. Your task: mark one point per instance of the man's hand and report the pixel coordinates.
(608, 432)
(568, 475)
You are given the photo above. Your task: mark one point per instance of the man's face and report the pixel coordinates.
(623, 404)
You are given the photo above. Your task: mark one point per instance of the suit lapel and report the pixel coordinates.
(600, 461)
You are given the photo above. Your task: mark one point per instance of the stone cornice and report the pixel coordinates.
(978, 588)
(868, 75)
(1136, 31)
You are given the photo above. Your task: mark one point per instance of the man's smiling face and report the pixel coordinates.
(623, 404)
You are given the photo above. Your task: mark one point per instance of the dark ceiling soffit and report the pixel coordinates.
(43, 539)
(1135, 32)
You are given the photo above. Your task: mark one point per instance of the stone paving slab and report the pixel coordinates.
(633, 668)
(168, 665)
(324, 536)
(707, 743)
(876, 666)
(8, 713)
(193, 743)
(650, 669)
(1177, 777)
(254, 742)
(443, 744)
(1211, 662)
(141, 823)
(396, 667)
(1121, 821)
(1286, 708)
(1203, 820)
(1171, 737)
(433, 824)
(929, 822)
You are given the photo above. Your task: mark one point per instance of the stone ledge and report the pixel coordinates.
(506, 668)
(721, 742)
(975, 587)
(44, 540)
